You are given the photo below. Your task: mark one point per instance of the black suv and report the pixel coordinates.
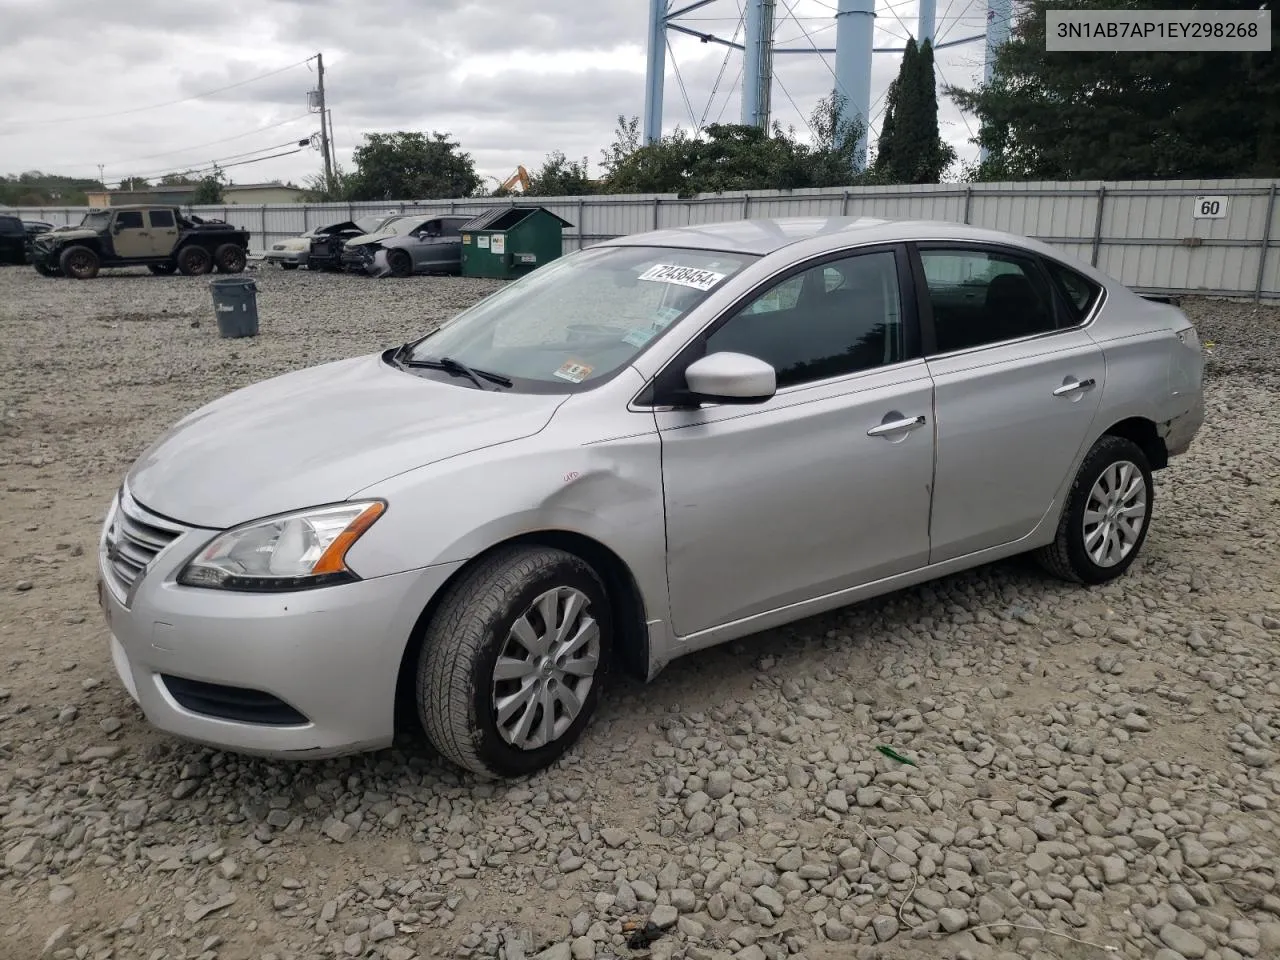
(13, 240)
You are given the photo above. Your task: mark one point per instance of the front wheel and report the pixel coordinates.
(229, 258)
(79, 262)
(45, 270)
(162, 269)
(513, 661)
(399, 263)
(1106, 517)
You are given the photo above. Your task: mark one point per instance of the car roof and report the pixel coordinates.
(765, 236)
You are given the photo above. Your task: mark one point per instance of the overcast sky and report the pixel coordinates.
(510, 80)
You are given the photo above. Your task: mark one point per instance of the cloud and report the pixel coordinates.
(511, 81)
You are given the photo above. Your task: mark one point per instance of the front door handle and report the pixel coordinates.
(896, 426)
(1073, 387)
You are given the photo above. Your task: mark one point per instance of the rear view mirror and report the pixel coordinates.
(731, 378)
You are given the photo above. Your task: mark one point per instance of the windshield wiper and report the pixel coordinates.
(452, 365)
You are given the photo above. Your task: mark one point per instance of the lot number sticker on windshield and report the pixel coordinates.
(574, 372)
(684, 276)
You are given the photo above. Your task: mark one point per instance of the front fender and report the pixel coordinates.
(454, 510)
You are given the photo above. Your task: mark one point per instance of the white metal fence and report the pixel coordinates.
(1212, 237)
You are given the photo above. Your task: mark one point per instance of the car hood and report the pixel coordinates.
(371, 237)
(73, 234)
(318, 436)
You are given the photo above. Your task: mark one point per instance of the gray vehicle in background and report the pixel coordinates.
(418, 245)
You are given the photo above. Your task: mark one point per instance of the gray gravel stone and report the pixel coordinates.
(1096, 762)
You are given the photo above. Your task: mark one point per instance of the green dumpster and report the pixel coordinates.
(508, 242)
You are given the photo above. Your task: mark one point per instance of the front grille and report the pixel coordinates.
(133, 539)
(239, 704)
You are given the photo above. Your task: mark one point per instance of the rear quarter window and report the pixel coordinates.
(11, 227)
(1079, 292)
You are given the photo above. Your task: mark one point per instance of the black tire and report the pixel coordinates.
(163, 269)
(467, 634)
(399, 263)
(194, 261)
(229, 258)
(288, 266)
(79, 262)
(1067, 557)
(45, 270)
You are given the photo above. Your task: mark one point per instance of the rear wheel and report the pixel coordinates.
(1107, 515)
(513, 661)
(229, 258)
(162, 269)
(79, 262)
(399, 263)
(194, 261)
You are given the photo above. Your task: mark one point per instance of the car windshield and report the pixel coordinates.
(402, 225)
(572, 323)
(95, 221)
(371, 224)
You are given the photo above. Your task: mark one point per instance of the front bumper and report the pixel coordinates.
(307, 674)
(299, 257)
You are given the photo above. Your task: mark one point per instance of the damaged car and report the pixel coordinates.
(647, 447)
(408, 246)
(328, 243)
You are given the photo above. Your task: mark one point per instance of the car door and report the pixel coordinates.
(1017, 386)
(826, 485)
(130, 235)
(164, 232)
(426, 247)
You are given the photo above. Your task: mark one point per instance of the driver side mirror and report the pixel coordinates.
(731, 378)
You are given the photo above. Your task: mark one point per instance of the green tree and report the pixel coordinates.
(209, 189)
(733, 157)
(36, 189)
(561, 177)
(910, 149)
(411, 166)
(626, 141)
(1125, 116)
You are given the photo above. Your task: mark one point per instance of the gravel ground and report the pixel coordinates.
(1095, 772)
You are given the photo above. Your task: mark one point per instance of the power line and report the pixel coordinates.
(218, 164)
(155, 106)
(211, 143)
(683, 91)
(723, 65)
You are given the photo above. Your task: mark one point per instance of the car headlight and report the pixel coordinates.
(292, 551)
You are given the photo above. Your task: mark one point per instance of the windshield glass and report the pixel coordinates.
(401, 225)
(95, 221)
(582, 317)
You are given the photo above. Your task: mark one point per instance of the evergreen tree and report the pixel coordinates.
(910, 149)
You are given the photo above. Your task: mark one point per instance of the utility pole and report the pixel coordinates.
(101, 182)
(324, 125)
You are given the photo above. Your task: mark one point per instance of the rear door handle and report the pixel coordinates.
(1073, 387)
(896, 426)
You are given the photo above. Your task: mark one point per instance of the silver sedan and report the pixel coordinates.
(642, 449)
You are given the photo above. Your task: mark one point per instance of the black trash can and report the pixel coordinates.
(235, 302)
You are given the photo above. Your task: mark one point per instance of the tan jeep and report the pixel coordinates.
(160, 238)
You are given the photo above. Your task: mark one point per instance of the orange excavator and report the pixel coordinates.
(520, 177)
